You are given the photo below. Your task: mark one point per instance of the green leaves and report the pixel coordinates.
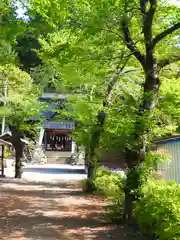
(85, 50)
(10, 28)
(20, 104)
(158, 210)
(5, 112)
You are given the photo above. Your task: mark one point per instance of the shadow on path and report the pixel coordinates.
(46, 211)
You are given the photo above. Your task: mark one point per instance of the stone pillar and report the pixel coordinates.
(45, 139)
(41, 135)
(73, 148)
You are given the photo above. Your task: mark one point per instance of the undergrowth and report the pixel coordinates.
(157, 211)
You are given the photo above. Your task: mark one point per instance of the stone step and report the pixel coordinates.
(55, 157)
(56, 160)
(56, 154)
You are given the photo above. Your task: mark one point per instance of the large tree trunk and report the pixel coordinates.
(128, 206)
(136, 155)
(90, 170)
(86, 158)
(94, 143)
(133, 157)
(88, 167)
(18, 145)
(18, 164)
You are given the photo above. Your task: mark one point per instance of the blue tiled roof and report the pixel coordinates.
(53, 100)
(50, 113)
(59, 125)
(47, 114)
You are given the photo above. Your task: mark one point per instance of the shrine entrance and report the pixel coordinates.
(57, 140)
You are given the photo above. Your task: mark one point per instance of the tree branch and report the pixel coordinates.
(143, 5)
(147, 23)
(165, 33)
(119, 72)
(131, 45)
(57, 50)
(127, 71)
(164, 62)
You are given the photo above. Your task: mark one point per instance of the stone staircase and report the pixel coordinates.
(55, 157)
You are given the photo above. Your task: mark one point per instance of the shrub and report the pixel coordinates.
(158, 210)
(90, 185)
(108, 183)
(100, 172)
(115, 207)
(111, 185)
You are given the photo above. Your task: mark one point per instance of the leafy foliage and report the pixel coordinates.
(86, 49)
(158, 210)
(97, 41)
(11, 27)
(108, 183)
(21, 101)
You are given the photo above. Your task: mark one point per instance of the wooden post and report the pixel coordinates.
(2, 162)
(45, 140)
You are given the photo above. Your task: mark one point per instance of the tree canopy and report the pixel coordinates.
(117, 60)
(121, 56)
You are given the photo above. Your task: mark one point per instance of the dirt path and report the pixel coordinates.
(33, 211)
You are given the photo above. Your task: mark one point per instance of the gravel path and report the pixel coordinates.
(34, 210)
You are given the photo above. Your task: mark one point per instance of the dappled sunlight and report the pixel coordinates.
(59, 211)
(16, 235)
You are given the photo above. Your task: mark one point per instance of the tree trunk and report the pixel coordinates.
(131, 191)
(128, 206)
(94, 143)
(18, 145)
(133, 157)
(86, 158)
(2, 161)
(90, 170)
(136, 155)
(18, 164)
(19, 153)
(151, 86)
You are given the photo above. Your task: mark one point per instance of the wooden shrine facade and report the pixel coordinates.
(57, 140)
